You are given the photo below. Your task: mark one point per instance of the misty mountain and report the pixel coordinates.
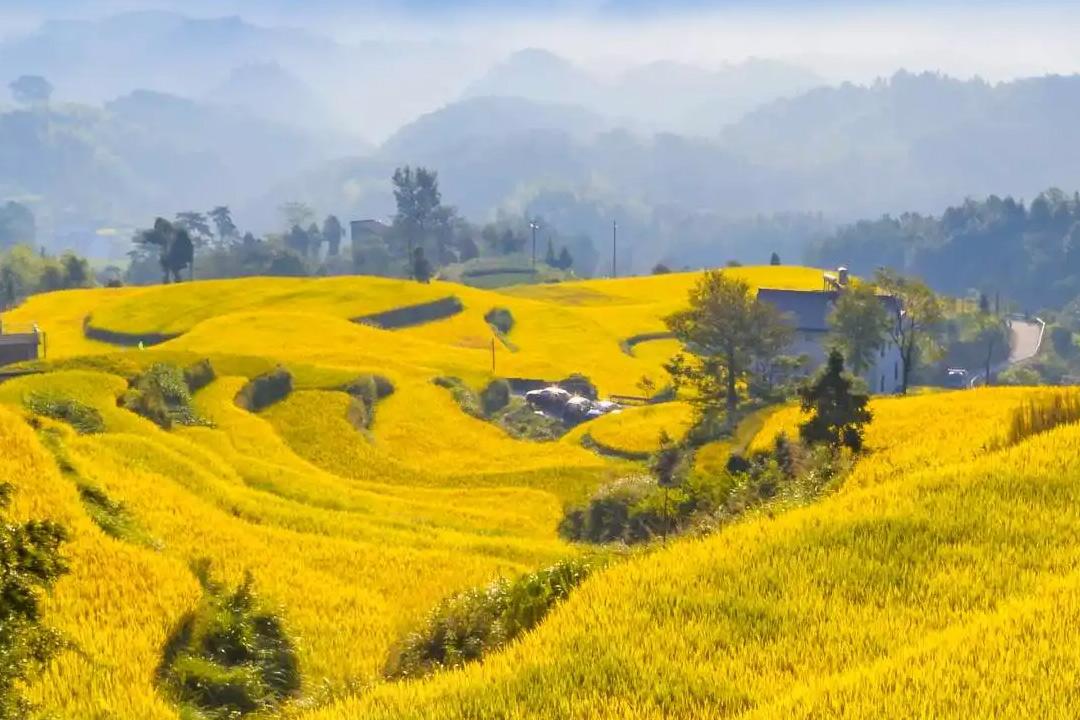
(540, 76)
(146, 154)
(913, 142)
(272, 92)
(93, 60)
(657, 96)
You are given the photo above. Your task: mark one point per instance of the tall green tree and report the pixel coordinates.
(860, 326)
(990, 332)
(175, 249)
(729, 330)
(917, 332)
(549, 257)
(332, 233)
(419, 204)
(30, 562)
(837, 412)
(566, 260)
(421, 267)
(223, 223)
(196, 225)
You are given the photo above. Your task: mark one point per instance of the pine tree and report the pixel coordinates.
(550, 258)
(838, 413)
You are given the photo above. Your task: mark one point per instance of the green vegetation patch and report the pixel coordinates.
(231, 657)
(365, 391)
(29, 564)
(640, 508)
(264, 390)
(86, 419)
(495, 404)
(162, 395)
(114, 518)
(467, 626)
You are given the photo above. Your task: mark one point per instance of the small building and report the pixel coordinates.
(362, 232)
(20, 343)
(808, 311)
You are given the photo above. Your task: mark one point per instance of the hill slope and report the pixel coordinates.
(935, 544)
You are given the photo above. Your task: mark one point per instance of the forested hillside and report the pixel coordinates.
(1027, 253)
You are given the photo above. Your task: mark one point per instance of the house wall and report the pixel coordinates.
(18, 347)
(885, 377)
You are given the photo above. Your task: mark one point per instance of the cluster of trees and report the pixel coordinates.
(210, 245)
(1000, 246)
(739, 344)
(24, 271)
(427, 234)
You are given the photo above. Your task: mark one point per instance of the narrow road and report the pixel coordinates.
(1025, 338)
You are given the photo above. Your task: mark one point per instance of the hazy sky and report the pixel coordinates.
(841, 40)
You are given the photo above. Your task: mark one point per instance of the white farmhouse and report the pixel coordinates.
(808, 311)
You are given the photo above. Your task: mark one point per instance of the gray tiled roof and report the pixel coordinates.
(809, 309)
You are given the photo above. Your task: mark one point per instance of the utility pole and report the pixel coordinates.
(534, 226)
(614, 243)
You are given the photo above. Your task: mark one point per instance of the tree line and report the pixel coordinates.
(424, 235)
(999, 246)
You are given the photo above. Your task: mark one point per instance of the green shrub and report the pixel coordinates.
(520, 421)
(495, 396)
(623, 511)
(264, 390)
(161, 395)
(579, 384)
(198, 375)
(462, 394)
(472, 623)
(113, 517)
(30, 562)
(84, 418)
(231, 656)
(501, 319)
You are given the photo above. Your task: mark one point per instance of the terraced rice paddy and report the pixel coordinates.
(940, 581)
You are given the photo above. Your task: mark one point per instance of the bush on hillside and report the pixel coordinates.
(264, 390)
(580, 385)
(198, 375)
(501, 319)
(161, 395)
(624, 511)
(462, 394)
(495, 396)
(522, 422)
(231, 656)
(84, 418)
(365, 390)
(29, 564)
(638, 509)
(466, 626)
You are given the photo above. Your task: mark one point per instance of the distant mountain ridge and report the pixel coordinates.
(657, 96)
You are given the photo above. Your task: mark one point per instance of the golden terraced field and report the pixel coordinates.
(940, 581)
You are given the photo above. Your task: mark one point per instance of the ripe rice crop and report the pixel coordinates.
(938, 581)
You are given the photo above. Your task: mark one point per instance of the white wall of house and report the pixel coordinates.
(885, 376)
